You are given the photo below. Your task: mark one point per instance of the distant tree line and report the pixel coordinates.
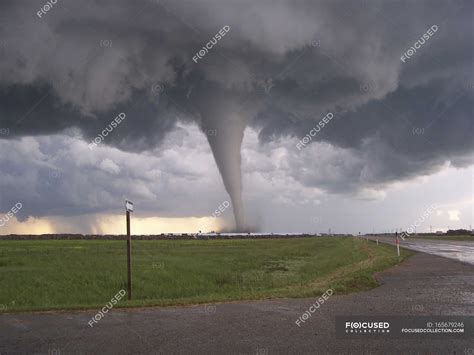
(458, 232)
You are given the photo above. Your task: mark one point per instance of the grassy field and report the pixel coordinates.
(79, 274)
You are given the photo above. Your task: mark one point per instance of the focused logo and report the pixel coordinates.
(367, 327)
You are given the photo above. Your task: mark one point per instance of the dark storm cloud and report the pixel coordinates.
(51, 116)
(281, 68)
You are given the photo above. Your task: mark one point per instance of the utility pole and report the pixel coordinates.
(128, 209)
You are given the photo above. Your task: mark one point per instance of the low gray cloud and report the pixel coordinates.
(58, 175)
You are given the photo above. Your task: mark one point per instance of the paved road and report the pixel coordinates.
(457, 250)
(422, 285)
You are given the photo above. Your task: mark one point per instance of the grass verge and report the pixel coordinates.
(84, 274)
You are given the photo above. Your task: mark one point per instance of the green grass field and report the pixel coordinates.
(79, 274)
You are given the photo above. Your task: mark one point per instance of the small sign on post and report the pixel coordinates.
(128, 209)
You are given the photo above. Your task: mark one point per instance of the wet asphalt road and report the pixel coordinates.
(422, 285)
(457, 250)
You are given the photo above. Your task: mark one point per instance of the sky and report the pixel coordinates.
(269, 116)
